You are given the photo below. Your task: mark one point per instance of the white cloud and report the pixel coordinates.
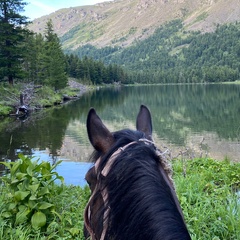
(44, 7)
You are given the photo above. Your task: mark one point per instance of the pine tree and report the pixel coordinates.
(55, 64)
(11, 35)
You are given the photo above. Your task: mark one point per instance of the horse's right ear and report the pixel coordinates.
(100, 137)
(144, 122)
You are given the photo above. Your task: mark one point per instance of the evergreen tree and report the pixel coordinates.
(34, 44)
(11, 35)
(54, 59)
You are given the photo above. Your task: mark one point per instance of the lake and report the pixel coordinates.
(189, 120)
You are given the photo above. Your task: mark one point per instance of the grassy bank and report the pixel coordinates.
(206, 189)
(234, 82)
(35, 97)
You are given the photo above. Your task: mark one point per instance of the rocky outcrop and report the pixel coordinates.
(108, 23)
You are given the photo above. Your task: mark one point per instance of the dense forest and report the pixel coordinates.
(170, 55)
(26, 56)
(174, 55)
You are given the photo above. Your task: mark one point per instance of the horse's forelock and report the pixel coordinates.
(122, 138)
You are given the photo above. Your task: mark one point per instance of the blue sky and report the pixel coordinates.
(38, 8)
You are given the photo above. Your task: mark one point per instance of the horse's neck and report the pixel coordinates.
(169, 183)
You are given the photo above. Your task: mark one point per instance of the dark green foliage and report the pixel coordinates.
(54, 63)
(94, 72)
(33, 58)
(31, 190)
(173, 55)
(93, 52)
(34, 206)
(12, 34)
(44, 60)
(39, 58)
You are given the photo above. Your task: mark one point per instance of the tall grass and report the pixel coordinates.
(208, 197)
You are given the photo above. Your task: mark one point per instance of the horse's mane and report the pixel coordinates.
(140, 202)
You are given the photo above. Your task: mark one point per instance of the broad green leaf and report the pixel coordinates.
(15, 167)
(45, 205)
(61, 178)
(32, 204)
(11, 206)
(25, 183)
(47, 176)
(35, 180)
(7, 164)
(74, 231)
(25, 163)
(21, 216)
(20, 175)
(15, 181)
(43, 191)
(38, 219)
(33, 197)
(37, 168)
(21, 156)
(30, 170)
(6, 214)
(20, 195)
(33, 187)
(46, 166)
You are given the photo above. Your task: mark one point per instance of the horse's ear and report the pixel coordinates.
(144, 122)
(100, 137)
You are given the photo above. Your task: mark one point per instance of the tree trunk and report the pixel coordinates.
(10, 79)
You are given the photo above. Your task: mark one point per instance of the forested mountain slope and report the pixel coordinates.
(174, 55)
(156, 41)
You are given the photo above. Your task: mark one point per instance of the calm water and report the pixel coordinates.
(199, 120)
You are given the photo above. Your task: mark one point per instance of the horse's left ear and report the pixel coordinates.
(100, 137)
(144, 122)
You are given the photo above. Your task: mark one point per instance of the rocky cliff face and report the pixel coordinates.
(121, 22)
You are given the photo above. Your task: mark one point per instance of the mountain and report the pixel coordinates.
(122, 22)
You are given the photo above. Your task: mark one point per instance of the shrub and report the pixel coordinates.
(5, 110)
(31, 189)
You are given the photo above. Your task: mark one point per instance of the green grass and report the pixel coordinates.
(206, 190)
(208, 197)
(235, 82)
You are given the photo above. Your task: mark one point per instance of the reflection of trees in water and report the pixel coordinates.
(38, 131)
(180, 109)
(46, 129)
(177, 111)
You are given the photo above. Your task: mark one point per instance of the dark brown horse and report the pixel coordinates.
(132, 194)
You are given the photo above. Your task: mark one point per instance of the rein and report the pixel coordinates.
(165, 170)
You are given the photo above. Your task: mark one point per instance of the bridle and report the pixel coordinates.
(165, 169)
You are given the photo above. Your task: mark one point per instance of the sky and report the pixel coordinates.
(38, 8)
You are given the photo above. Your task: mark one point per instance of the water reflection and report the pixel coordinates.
(203, 118)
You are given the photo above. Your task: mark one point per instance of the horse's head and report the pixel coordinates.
(110, 146)
(103, 140)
